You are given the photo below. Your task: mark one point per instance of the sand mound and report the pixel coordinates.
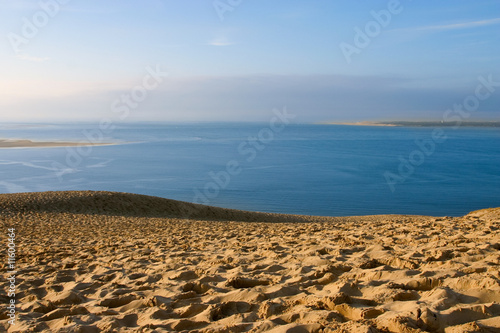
(485, 214)
(127, 204)
(82, 267)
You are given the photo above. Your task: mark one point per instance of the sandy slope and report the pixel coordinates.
(114, 262)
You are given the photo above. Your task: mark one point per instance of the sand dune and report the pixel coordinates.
(116, 262)
(130, 205)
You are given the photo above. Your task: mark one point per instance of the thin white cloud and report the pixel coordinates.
(26, 57)
(455, 26)
(220, 41)
(11, 187)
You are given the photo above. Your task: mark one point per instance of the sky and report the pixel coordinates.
(237, 60)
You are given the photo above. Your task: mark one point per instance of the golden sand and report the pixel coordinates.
(115, 262)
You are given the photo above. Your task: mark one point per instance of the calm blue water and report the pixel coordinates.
(303, 169)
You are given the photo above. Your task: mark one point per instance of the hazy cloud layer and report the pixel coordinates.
(251, 98)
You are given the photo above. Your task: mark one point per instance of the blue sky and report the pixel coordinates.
(238, 59)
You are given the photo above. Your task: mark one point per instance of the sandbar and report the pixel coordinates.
(419, 123)
(7, 143)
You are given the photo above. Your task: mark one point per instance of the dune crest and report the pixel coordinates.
(117, 262)
(130, 205)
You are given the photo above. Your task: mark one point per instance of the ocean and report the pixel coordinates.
(329, 170)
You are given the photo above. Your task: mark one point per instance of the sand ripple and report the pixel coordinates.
(84, 269)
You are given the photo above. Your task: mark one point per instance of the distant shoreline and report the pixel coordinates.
(5, 143)
(418, 123)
